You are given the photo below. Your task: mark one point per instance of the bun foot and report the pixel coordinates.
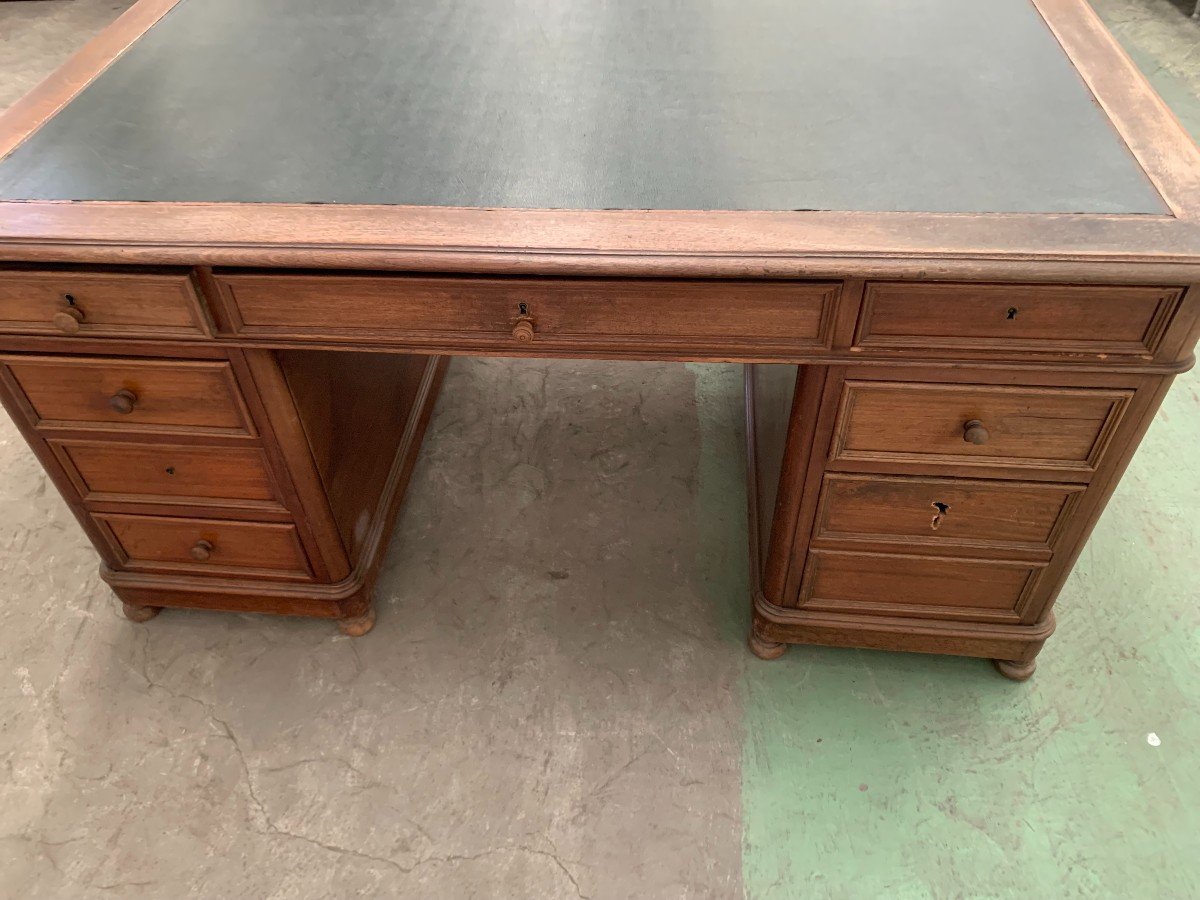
(140, 613)
(359, 625)
(1017, 671)
(765, 649)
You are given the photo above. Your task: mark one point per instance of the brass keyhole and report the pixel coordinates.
(1012, 312)
(940, 513)
(523, 309)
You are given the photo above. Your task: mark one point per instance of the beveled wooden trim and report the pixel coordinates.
(986, 639)
(606, 242)
(1145, 347)
(133, 281)
(238, 594)
(640, 242)
(884, 460)
(204, 570)
(51, 428)
(29, 113)
(287, 442)
(823, 538)
(921, 611)
(1155, 137)
(163, 504)
(1076, 530)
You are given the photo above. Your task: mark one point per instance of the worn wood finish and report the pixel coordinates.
(1002, 366)
(29, 112)
(101, 304)
(769, 392)
(356, 410)
(467, 314)
(951, 515)
(919, 586)
(887, 425)
(165, 396)
(1000, 319)
(1018, 643)
(1121, 248)
(206, 546)
(126, 472)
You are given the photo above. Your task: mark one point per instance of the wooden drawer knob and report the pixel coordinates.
(68, 320)
(975, 433)
(201, 550)
(523, 329)
(122, 401)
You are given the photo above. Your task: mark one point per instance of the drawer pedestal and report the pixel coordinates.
(933, 516)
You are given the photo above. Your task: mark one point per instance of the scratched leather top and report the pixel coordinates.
(921, 105)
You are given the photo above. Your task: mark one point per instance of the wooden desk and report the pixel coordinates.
(956, 245)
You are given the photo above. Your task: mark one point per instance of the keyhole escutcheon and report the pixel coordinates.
(1012, 312)
(940, 510)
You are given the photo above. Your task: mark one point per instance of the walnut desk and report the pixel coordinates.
(956, 243)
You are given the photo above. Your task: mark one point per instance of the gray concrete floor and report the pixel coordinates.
(556, 700)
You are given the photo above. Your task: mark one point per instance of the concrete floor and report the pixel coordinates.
(556, 700)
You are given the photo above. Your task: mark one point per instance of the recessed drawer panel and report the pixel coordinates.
(1004, 516)
(1037, 318)
(523, 313)
(135, 394)
(206, 546)
(918, 586)
(1062, 429)
(101, 304)
(147, 473)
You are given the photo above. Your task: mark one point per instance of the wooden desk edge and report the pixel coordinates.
(630, 242)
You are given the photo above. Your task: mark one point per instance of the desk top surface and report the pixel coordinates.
(922, 106)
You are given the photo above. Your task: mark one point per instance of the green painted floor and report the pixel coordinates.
(868, 774)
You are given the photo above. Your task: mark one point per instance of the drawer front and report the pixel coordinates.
(157, 395)
(206, 546)
(1062, 319)
(918, 586)
(523, 313)
(928, 513)
(1061, 429)
(168, 473)
(101, 304)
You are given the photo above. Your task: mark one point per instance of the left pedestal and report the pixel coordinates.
(229, 479)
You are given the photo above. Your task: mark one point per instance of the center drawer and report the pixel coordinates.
(522, 313)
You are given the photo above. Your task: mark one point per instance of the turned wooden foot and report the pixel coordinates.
(1017, 671)
(359, 625)
(140, 613)
(765, 649)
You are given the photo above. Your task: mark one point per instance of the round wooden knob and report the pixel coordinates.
(68, 320)
(523, 330)
(122, 401)
(975, 433)
(201, 550)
